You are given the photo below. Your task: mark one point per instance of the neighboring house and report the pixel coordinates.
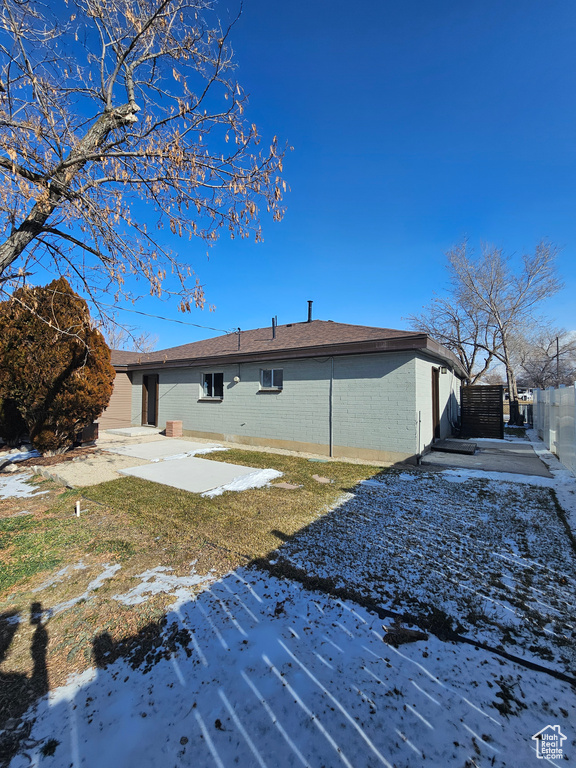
(318, 386)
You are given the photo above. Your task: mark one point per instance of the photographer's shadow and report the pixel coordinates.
(19, 690)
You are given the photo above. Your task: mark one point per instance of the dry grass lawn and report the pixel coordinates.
(136, 525)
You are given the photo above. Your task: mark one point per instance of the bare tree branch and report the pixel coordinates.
(125, 102)
(489, 307)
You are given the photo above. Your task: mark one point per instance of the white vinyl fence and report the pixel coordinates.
(555, 422)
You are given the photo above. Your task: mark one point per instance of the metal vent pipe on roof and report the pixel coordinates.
(310, 311)
(273, 327)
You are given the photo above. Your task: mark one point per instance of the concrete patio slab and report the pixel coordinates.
(517, 457)
(190, 474)
(164, 449)
(134, 431)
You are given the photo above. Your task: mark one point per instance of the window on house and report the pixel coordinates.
(213, 385)
(271, 378)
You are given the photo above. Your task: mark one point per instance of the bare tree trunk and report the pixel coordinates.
(21, 237)
(59, 185)
(516, 417)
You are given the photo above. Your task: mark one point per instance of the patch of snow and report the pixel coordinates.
(108, 572)
(22, 513)
(463, 475)
(564, 480)
(18, 487)
(59, 575)
(11, 619)
(20, 455)
(257, 479)
(76, 682)
(158, 580)
(483, 552)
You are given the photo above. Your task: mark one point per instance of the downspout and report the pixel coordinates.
(330, 411)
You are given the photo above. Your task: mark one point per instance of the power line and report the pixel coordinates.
(168, 319)
(146, 314)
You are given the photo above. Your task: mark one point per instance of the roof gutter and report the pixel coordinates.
(419, 342)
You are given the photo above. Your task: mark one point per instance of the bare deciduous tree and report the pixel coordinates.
(501, 301)
(463, 330)
(108, 103)
(121, 337)
(546, 357)
(493, 377)
(508, 300)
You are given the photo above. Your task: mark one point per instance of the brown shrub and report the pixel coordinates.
(54, 366)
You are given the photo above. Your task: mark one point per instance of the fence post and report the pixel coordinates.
(551, 436)
(535, 411)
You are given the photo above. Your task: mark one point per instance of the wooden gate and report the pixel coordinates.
(482, 411)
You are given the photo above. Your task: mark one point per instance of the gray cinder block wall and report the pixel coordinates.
(372, 402)
(449, 391)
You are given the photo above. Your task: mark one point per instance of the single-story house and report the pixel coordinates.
(318, 386)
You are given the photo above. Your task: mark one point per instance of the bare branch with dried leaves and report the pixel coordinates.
(119, 119)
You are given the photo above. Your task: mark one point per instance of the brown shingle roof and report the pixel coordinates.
(291, 336)
(311, 338)
(121, 357)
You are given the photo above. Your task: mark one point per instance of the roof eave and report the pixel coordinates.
(370, 346)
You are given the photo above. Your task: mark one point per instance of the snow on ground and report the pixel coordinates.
(159, 579)
(256, 479)
(260, 671)
(489, 558)
(275, 676)
(18, 487)
(60, 575)
(108, 572)
(461, 475)
(564, 480)
(16, 455)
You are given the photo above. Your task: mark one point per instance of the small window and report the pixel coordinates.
(271, 378)
(213, 385)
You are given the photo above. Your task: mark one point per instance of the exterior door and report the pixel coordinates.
(150, 400)
(436, 403)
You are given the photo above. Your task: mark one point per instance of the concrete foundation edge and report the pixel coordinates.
(339, 451)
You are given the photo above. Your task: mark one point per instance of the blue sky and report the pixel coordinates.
(414, 124)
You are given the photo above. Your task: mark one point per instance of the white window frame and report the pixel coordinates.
(204, 388)
(275, 375)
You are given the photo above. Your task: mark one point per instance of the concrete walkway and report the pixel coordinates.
(162, 450)
(515, 455)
